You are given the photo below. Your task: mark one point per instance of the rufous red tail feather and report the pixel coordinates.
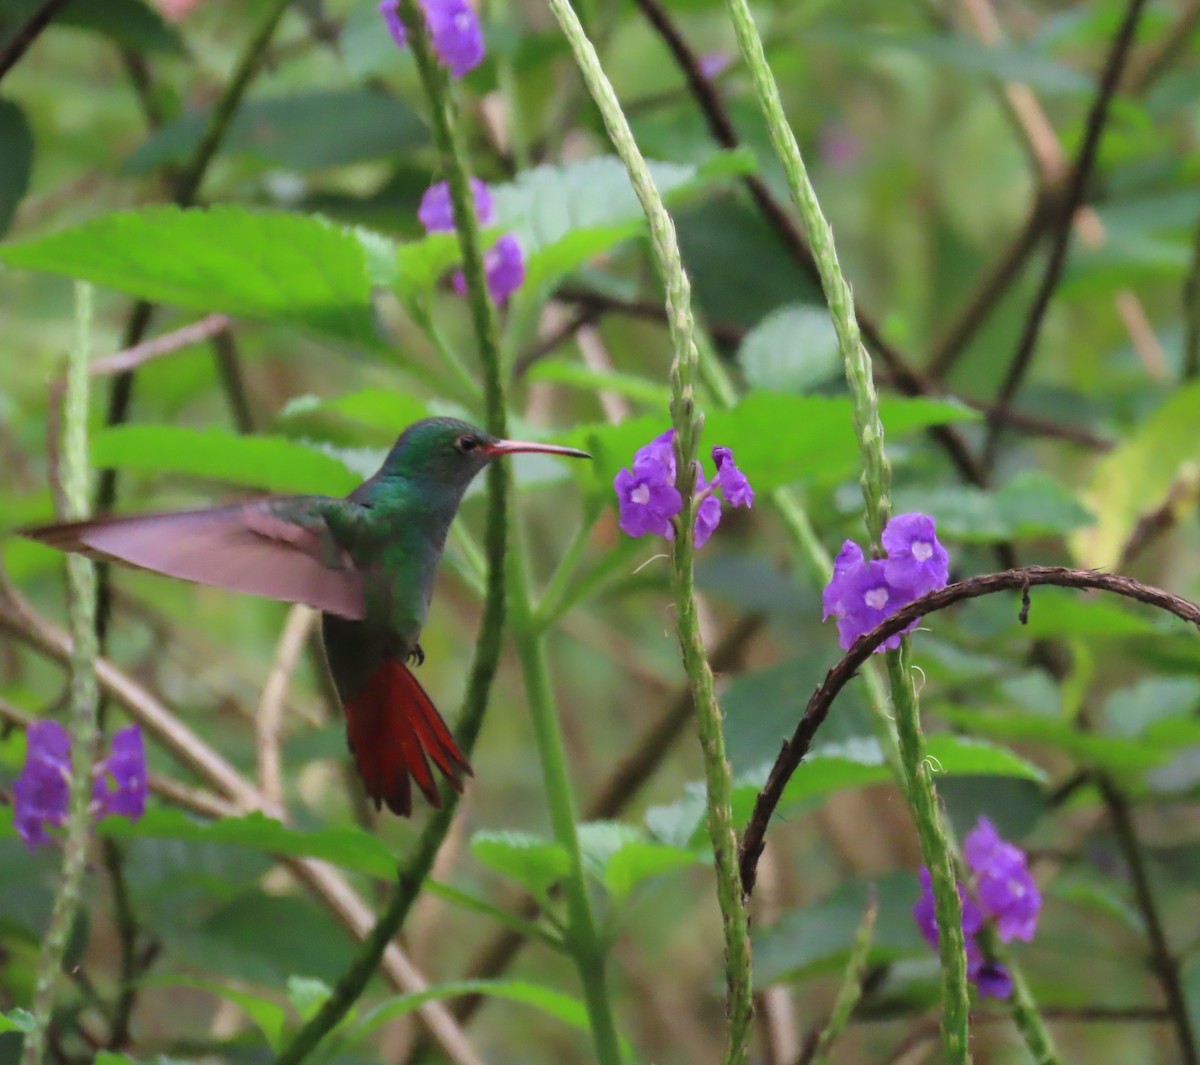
(392, 725)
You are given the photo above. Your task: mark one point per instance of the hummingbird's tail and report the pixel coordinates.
(392, 725)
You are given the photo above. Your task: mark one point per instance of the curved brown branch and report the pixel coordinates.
(12, 51)
(794, 749)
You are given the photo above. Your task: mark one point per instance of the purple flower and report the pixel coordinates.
(1006, 891)
(126, 765)
(648, 498)
(915, 559)
(455, 33)
(849, 557)
(41, 793)
(731, 480)
(867, 598)
(1002, 893)
(436, 212)
(708, 517)
(862, 593)
(390, 10)
(503, 270)
(713, 63)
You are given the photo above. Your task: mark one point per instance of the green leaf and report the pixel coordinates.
(268, 1016)
(260, 264)
(1148, 704)
(575, 375)
(818, 938)
(349, 848)
(129, 23)
(565, 215)
(1032, 505)
(1058, 612)
(384, 409)
(303, 131)
(307, 995)
(533, 862)
(554, 1003)
(793, 349)
(16, 149)
(1136, 476)
(620, 856)
(777, 439)
(17, 1020)
(269, 462)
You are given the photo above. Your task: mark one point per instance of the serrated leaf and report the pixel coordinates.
(793, 349)
(348, 848)
(303, 131)
(565, 215)
(533, 862)
(1136, 476)
(271, 463)
(260, 264)
(16, 149)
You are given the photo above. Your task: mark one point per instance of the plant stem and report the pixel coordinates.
(688, 423)
(583, 939)
(876, 486)
(412, 874)
(81, 584)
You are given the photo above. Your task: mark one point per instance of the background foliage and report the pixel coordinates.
(210, 936)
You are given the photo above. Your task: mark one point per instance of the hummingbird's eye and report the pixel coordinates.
(467, 444)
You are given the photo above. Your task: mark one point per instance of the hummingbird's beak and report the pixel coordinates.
(515, 447)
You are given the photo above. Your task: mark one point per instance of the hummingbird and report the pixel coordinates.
(366, 561)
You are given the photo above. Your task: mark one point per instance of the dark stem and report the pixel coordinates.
(1164, 963)
(1061, 235)
(11, 53)
(795, 748)
(133, 962)
(1191, 313)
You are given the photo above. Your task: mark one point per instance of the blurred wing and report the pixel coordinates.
(245, 547)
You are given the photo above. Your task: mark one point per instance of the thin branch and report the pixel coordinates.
(268, 720)
(1191, 313)
(12, 52)
(795, 749)
(1165, 964)
(1080, 174)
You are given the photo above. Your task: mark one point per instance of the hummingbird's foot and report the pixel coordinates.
(417, 655)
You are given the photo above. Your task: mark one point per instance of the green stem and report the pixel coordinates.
(81, 584)
(583, 939)
(852, 986)
(876, 486)
(412, 874)
(688, 423)
(558, 587)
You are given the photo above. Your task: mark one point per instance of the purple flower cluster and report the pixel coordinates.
(41, 794)
(1002, 891)
(454, 32)
(649, 500)
(862, 592)
(503, 262)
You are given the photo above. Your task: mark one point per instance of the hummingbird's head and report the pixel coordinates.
(451, 452)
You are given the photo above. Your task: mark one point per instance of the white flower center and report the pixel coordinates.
(922, 550)
(640, 495)
(462, 21)
(876, 598)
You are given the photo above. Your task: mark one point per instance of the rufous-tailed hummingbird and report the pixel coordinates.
(367, 561)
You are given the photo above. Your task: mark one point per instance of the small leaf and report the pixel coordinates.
(575, 375)
(534, 863)
(16, 149)
(268, 1016)
(793, 349)
(130, 23)
(271, 463)
(261, 264)
(307, 995)
(17, 1020)
(642, 860)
